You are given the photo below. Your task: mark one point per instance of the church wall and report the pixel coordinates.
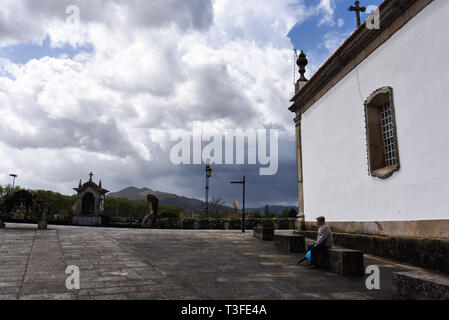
(335, 170)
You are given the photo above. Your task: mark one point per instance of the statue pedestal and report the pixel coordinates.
(87, 220)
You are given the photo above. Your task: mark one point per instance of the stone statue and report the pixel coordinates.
(150, 220)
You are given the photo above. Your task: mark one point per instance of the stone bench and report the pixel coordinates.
(264, 233)
(415, 285)
(290, 242)
(346, 262)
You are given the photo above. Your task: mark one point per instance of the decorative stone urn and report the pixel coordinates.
(42, 225)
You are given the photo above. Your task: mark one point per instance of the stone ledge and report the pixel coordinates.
(431, 254)
(291, 242)
(346, 262)
(416, 285)
(264, 233)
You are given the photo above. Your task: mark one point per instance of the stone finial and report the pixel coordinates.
(100, 184)
(302, 62)
(80, 185)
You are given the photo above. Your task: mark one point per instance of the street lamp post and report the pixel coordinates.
(14, 176)
(243, 182)
(208, 175)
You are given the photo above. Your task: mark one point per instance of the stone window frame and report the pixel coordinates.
(374, 139)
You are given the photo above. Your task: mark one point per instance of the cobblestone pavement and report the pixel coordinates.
(165, 264)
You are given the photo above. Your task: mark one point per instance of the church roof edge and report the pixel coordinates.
(93, 185)
(390, 10)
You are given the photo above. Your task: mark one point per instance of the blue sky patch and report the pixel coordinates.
(320, 40)
(24, 52)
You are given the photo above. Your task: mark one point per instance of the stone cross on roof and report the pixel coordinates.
(357, 10)
(90, 174)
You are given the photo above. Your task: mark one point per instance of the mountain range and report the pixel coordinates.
(189, 204)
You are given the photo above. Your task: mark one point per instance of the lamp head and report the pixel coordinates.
(208, 169)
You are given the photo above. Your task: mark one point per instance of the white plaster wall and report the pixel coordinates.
(415, 63)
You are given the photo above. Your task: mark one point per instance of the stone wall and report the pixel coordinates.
(427, 253)
(417, 228)
(207, 224)
(187, 224)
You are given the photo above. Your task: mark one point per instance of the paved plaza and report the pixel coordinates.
(166, 264)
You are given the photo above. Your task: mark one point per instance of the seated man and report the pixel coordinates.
(324, 241)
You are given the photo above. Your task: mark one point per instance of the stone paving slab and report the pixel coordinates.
(120, 264)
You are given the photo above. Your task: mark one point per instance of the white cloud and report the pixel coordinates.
(155, 66)
(326, 8)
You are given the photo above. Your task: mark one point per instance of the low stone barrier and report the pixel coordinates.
(431, 254)
(415, 285)
(203, 224)
(251, 224)
(218, 224)
(267, 223)
(346, 262)
(264, 233)
(187, 223)
(166, 223)
(175, 223)
(290, 242)
(283, 224)
(235, 224)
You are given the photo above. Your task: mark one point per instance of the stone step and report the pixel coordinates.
(346, 262)
(290, 243)
(417, 285)
(264, 233)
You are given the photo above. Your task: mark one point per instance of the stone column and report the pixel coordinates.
(300, 219)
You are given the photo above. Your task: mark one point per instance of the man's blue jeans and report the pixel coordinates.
(316, 250)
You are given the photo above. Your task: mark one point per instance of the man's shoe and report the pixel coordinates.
(313, 266)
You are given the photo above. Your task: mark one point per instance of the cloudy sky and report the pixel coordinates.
(104, 95)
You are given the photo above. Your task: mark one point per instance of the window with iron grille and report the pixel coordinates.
(388, 135)
(382, 145)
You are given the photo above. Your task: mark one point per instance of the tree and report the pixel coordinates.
(292, 213)
(289, 213)
(58, 203)
(27, 202)
(268, 214)
(215, 206)
(170, 211)
(8, 189)
(266, 211)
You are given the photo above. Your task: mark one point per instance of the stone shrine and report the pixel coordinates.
(89, 204)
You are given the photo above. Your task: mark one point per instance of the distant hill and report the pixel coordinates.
(189, 204)
(135, 194)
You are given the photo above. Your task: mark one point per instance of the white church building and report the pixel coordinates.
(372, 127)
